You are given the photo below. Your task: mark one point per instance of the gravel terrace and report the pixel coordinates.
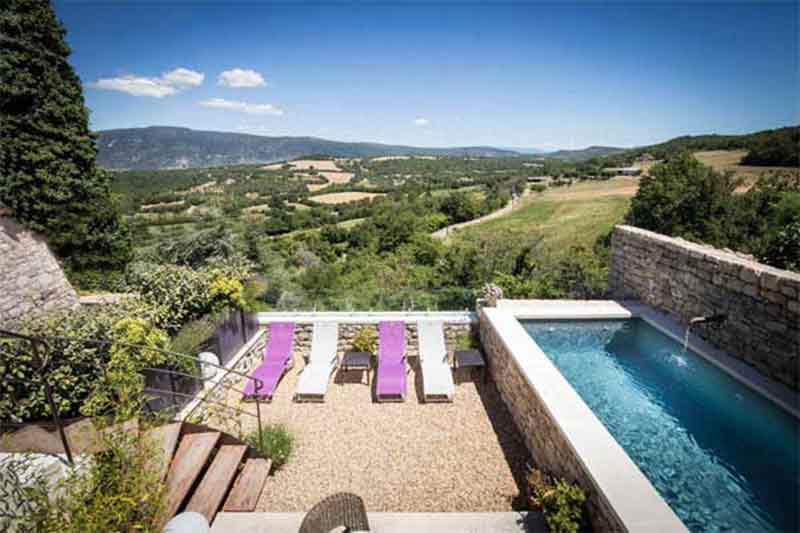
(462, 456)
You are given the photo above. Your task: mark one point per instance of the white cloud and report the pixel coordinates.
(243, 107)
(183, 77)
(167, 84)
(421, 121)
(240, 78)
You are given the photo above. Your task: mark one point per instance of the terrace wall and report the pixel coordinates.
(549, 447)
(687, 280)
(31, 280)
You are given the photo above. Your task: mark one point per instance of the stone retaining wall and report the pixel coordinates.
(31, 280)
(551, 450)
(687, 280)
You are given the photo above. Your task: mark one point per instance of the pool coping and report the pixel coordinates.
(749, 376)
(632, 498)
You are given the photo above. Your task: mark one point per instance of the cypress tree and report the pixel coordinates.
(48, 175)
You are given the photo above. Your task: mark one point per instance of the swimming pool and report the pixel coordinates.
(722, 456)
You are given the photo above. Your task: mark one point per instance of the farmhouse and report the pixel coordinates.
(624, 171)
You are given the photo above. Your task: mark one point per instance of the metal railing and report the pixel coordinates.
(43, 355)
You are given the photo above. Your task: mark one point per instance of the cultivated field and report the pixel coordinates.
(724, 160)
(562, 217)
(337, 177)
(344, 197)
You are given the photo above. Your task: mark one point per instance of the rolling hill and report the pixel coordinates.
(159, 147)
(585, 153)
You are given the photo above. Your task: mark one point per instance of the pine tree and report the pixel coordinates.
(48, 175)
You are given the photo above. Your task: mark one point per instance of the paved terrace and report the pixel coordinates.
(463, 456)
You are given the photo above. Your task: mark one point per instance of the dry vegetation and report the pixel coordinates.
(343, 197)
(728, 160)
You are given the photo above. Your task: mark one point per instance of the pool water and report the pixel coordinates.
(724, 457)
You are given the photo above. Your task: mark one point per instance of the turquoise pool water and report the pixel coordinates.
(724, 457)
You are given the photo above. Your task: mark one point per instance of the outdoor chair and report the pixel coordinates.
(277, 360)
(322, 362)
(338, 510)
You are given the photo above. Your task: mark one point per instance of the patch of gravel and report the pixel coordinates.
(465, 456)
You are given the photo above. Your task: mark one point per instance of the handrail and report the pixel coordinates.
(42, 362)
(258, 384)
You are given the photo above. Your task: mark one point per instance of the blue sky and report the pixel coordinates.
(525, 74)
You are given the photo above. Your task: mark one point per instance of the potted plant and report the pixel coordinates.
(366, 340)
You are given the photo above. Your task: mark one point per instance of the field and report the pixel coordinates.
(343, 197)
(725, 160)
(562, 217)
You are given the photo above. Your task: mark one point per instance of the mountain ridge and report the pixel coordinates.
(165, 147)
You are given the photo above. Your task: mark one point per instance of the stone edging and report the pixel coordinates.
(563, 434)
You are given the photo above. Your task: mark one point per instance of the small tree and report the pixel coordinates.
(682, 197)
(47, 162)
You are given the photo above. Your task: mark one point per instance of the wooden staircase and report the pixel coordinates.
(206, 471)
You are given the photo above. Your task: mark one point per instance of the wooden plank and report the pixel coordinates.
(247, 489)
(189, 460)
(208, 497)
(163, 439)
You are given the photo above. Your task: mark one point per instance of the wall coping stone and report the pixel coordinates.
(628, 492)
(366, 317)
(705, 251)
(777, 392)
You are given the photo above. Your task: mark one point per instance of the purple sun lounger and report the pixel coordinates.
(391, 374)
(277, 359)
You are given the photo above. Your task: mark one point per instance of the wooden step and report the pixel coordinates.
(163, 439)
(189, 460)
(247, 489)
(208, 497)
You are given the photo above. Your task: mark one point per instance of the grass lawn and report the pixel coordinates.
(564, 217)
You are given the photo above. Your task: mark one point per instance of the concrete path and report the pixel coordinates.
(391, 522)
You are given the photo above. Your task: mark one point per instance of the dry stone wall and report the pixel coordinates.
(548, 445)
(686, 280)
(31, 280)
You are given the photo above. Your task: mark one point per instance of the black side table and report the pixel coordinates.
(357, 361)
(470, 359)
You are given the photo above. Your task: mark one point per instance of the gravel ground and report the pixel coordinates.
(460, 456)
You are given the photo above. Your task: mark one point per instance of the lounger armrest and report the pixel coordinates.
(334, 362)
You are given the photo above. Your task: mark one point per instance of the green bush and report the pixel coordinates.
(193, 337)
(560, 501)
(118, 490)
(185, 294)
(366, 340)
(274, 442)
(75, 368)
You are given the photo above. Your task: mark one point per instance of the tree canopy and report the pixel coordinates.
(49, 177)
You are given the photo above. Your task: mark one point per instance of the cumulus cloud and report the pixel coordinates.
(183, 77)
(241, 78)
(242, 107)
(421, 121)
(167, 84)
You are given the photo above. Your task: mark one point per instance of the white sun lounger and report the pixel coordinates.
(322, 362)
(437, 378)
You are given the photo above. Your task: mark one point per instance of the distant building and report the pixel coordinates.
(646, 158)
(623, 171)
(539, 179)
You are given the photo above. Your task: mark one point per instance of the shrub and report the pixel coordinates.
(194, 335)
(366, 340)
(75, 367)
(274, 442)
(185, 294)
(560, 501)
(466, 341)
(118, 490)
